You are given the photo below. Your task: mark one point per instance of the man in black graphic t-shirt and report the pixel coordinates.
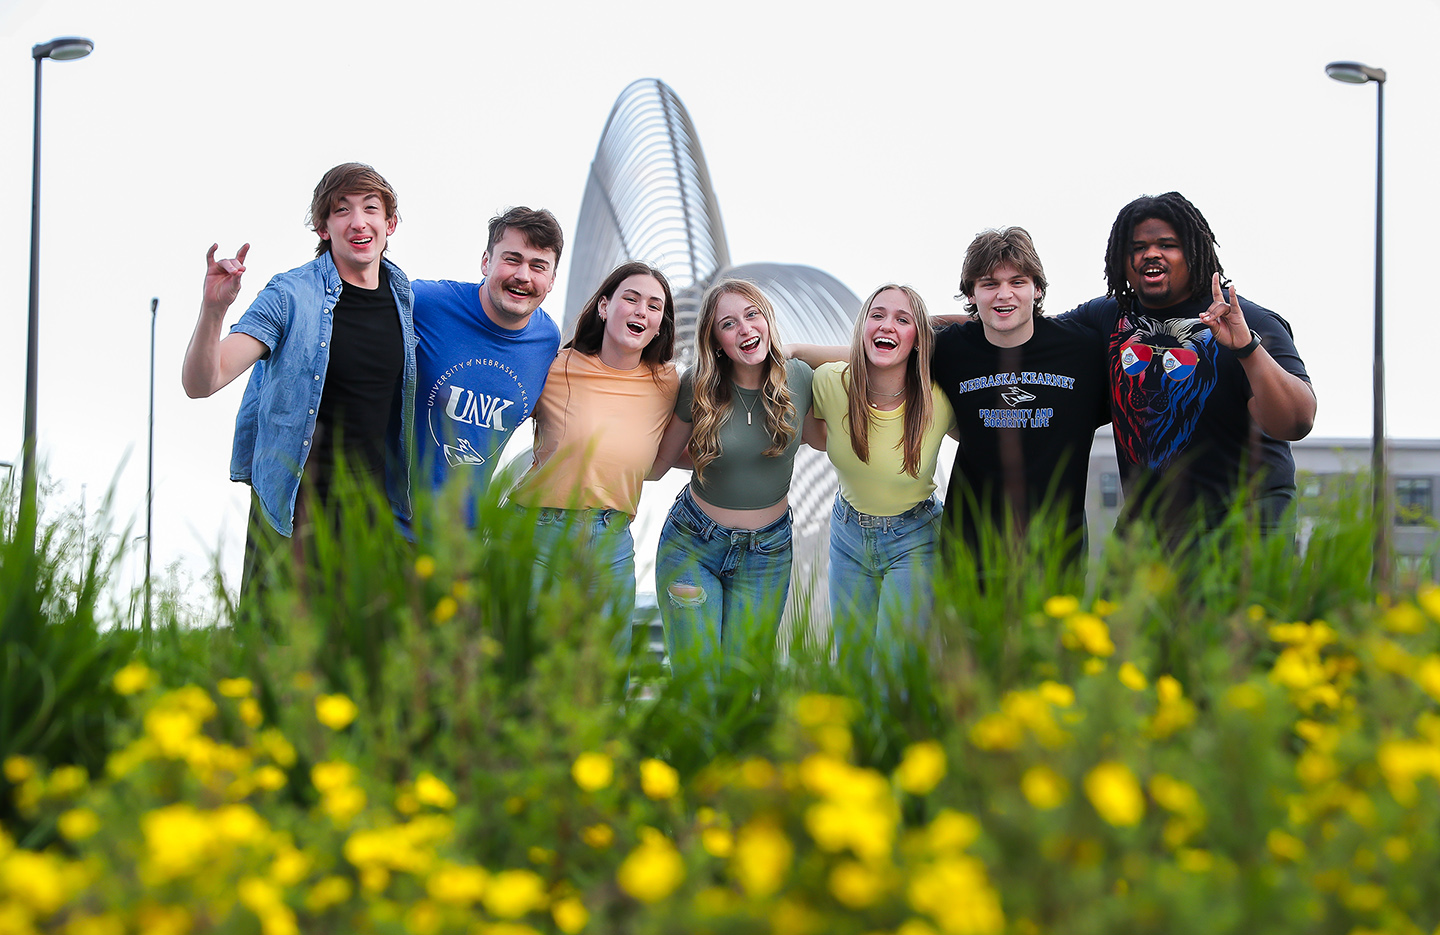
(1206, 390)
(1028, 393)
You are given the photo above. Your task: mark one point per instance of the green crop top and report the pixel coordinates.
(742, 478)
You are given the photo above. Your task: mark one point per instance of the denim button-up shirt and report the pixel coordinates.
(294, 317)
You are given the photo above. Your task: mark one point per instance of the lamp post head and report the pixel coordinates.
(64, 49)
(1354, 73)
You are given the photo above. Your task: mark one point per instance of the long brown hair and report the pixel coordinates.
(714, 400)
(919, 405)
(590, 327)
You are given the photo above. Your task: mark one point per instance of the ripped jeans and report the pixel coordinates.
(720, 588)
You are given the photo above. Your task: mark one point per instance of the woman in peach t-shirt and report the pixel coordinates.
(598, 424)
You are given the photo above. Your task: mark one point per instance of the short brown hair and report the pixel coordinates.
(991, 249)
(348, 178)
(539, 227)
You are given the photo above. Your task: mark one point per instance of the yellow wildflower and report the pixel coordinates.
(270, 777)
(457, 885)
(424, 566)
(512, 893)
(1245, 697)
(718, 842)
(1429, 598)
(250, 712)
(1093, 666)
(431, 791)
(423, 918)
(1284, 846)
(652, 870)
(951, 831)
(1176, 796)
(37, 881)
(343, 803)
(921, 767)
(1427, 675)
(1092, 633)
(1115, 793)
(335, 711)
(78, 824)
(814, 710)
(133, 679)
(762, 858)
(598, 836)
(658, 779)
(331, 775)
(18, 769)
(956, 893)
(171, 729)
(66, 781)
(1193, 860)
(1103, 608)
(1132, 678)
(235, 688)
(1061, 696)
(1061, 605)
(996, 732)
(178, 839)
(1043, 787)
(107, 924)
(759, 773)
(570, 915)
(290, 865)
(445, 609)
(593, 771)
(856, 885)
(238, 823)
(541, 856)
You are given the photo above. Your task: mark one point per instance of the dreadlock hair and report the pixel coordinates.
(919, 405)
(714, 399)
(1196, 240)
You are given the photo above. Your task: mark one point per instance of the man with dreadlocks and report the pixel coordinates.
(1206, 391)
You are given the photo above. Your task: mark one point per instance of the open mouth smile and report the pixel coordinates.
(635, 327)
(886, 344)
(749, 344)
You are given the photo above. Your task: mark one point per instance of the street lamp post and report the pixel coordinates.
(150, 470)
(64, 49)
(1356, 73)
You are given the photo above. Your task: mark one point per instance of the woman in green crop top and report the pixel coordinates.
(723, 564)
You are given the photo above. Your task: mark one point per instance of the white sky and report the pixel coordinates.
(871, 142)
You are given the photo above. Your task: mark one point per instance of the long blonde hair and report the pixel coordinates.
(714, 398)
(919, 406)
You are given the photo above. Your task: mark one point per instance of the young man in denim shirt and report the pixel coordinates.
(332, 344)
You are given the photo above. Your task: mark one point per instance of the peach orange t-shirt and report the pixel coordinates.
(597, 430)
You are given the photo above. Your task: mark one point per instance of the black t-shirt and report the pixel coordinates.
(1180, 404)
(1026, 416)
(362, 384)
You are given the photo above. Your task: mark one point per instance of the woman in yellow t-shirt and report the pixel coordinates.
(598, 424)
(883, 421)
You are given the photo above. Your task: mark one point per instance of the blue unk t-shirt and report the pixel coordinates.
(475, 383)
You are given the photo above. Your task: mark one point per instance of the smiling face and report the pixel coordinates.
(632, 316)
(1158, 271)
(889, 331)
(741, 330)
(518, 277)
(357, 229)
(1005, 301)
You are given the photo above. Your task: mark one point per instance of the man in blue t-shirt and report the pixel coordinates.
(484, 350)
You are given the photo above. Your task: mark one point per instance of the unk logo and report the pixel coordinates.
(476, 408)
(1014, 396)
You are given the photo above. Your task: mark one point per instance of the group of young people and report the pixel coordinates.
(352, 361)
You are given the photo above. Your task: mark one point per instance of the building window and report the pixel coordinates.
(1414, 501)
(1110, 490)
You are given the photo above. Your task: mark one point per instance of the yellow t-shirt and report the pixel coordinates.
(596, 434)
(880, 487)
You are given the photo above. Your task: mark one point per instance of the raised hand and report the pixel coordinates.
(1225, 318)
(222, 277)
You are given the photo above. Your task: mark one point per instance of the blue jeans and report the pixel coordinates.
(721, 588)
(881, 568)
(601, 540)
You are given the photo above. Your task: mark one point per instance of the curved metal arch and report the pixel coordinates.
(648, 197)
